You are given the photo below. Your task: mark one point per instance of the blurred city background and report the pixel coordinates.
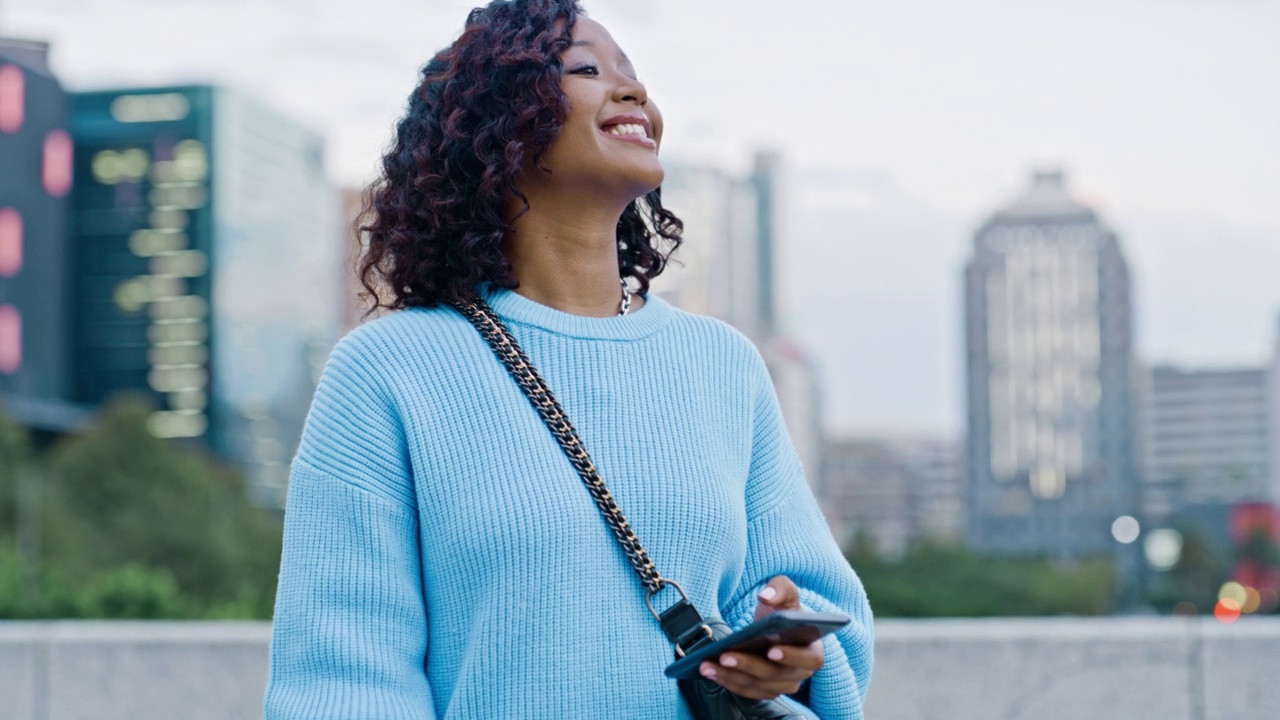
(1014, 266)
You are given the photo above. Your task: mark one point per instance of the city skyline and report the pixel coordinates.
(1166, 126)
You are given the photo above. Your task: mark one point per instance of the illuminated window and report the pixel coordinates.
(12, 98)
(57, 163)
(150, 108)
(10, 339)
(177, 424)
(10, 242)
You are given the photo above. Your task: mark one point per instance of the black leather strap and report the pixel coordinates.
(684, 627)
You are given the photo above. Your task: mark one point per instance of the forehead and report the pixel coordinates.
(591, 34)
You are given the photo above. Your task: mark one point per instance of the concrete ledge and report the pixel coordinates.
(1015, 669)
(140, 670)
(1069, 668)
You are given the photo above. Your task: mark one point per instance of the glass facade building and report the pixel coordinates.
(1049, 356)
(205, 239)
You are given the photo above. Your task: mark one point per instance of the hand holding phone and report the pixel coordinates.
(785, 627)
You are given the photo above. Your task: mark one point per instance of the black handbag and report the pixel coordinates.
(682, 623)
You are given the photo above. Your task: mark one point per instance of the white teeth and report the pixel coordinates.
(628, 129)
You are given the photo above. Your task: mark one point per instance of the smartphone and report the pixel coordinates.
(785, 627)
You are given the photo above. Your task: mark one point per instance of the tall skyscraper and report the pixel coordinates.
(1206, 439)
(205, 237)
(715, 271)
(776, 259)
(35, 178)
(1049, 341)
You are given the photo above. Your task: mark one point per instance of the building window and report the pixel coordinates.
(10, 340)
(57, 163)
(12, 99)
(10, 242)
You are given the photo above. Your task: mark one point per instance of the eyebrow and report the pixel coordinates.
(588, 43)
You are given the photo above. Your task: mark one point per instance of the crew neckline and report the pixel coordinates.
(511, 306)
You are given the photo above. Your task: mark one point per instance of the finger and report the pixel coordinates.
(763, 669)
(781, 594)
(745, 685)
(806, 657)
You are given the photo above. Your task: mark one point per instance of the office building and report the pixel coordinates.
(1206, 438)
(893, 491)
(35, 180)
(1049, 352)
(204, 238)
(715, 270)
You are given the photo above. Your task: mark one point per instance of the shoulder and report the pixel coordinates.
(413, 339)
(375, 375)
(720, 342)
(399, 328)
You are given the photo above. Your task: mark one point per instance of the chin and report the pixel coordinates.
(643, 180)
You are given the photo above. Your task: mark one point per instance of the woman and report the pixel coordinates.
(442, 558)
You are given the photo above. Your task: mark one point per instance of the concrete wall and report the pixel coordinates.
(136, 670)
(1013, 669)
(1064, 669)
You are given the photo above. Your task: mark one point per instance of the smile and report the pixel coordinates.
(633, 129)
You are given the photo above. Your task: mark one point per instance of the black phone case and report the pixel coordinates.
(785, 627)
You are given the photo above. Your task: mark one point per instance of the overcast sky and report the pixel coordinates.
(903, 122)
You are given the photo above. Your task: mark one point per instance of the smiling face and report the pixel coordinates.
(609, 141)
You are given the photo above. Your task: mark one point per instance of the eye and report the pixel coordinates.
(585, 69)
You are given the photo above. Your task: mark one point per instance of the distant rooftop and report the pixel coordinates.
(1047, 199)
(44, 414)
(34, 54)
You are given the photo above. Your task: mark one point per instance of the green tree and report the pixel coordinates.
(134, 527)
(940, 580)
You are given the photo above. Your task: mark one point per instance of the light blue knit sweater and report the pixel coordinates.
(442, 559)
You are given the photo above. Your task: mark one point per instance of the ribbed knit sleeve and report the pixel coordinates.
(786, 535)
(350, 634)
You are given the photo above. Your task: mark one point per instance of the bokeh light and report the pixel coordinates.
(13, 106)
(154, 107)
(56, 169)
(1186, 607)
(10, 339)
(10, 242)
(1125, 529)
(1234, 592)
(1163, 548)
(1227, 611)
(1252, 600)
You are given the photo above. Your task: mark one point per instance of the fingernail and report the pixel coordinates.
(708, 671)
(775, 654)
(728, 661)
(768, 593)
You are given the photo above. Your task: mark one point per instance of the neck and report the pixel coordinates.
(568, 260)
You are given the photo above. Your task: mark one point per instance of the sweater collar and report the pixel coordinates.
(513, 307)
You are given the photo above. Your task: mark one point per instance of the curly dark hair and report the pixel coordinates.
(434, 221)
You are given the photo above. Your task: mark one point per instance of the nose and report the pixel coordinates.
(632, 91)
